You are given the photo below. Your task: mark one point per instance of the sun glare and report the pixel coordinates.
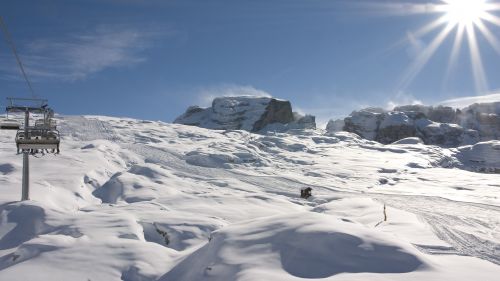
(468, 19)
(465, 12)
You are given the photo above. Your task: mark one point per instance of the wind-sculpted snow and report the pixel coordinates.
(141, 200)
(481, 157)
(304, 245)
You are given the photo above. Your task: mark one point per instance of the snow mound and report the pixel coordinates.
(139, 183)
(481, 157)
(304, 245)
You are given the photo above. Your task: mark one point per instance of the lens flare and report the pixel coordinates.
(468, 18)
(464, 12)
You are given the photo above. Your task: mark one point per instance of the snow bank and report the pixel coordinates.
(304, 245)
(414, 140)
(481, 157)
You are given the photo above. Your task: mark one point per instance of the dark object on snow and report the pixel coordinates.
(306, 192)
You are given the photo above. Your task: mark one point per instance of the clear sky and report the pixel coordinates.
(152, 59)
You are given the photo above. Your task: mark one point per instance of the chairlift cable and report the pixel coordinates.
(10, 42)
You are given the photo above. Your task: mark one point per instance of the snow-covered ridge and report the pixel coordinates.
(444, 126)
(246, 113)
(141, 200)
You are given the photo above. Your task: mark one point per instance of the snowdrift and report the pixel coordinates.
(304, 245)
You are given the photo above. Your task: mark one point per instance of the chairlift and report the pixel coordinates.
(9, 124)
(38, 139)
(43, 136)
(31, 139)
(46, 123)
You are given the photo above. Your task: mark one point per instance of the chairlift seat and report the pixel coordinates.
(48, 124)
(10, 124)
(38, 139)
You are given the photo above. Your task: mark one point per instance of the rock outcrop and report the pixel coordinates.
(444, 126)
(484, 118)
(335, 125)
(246, 113)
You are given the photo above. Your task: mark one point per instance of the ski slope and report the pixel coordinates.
(140, 200)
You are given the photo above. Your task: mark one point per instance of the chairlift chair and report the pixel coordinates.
(38, 139)
(9, 124)
(46, 123)
(43, 136)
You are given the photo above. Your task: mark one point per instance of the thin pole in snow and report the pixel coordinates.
(26, 161)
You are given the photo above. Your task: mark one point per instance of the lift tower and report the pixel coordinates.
(43, 137)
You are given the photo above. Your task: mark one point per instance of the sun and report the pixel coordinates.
(468, 20)
(464, 12)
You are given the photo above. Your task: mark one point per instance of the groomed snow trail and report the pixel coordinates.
(472, 229)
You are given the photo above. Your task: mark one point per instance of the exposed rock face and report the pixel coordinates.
(440, 125)
(335, 125)
(365, 122)
(395, 126)
(305, 122)
(244, 113)
(440, 114)
(484, 118)
(276, 112)
(442, 134)
(299, 123)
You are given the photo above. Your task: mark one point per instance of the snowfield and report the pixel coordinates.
(140, 200)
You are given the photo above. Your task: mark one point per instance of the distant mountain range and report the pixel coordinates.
(441, 125)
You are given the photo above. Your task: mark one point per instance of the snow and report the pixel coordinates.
(395, 119)
(143, 200)
(412, 140)
(228, 112)
(304, 245)
(466, 101)
(483, 156)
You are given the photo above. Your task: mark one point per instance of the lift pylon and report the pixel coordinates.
(41, 138)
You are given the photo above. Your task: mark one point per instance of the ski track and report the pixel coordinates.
(86, 129)
(439, 213)
(442, 216)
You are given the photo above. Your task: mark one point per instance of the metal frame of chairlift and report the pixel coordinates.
(43, 136)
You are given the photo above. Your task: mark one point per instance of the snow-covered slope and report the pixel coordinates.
(140, 200)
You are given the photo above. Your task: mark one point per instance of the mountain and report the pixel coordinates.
(247, 113)
(142, 200)
(440, 125)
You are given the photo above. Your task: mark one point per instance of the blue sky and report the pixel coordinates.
(152, 59)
